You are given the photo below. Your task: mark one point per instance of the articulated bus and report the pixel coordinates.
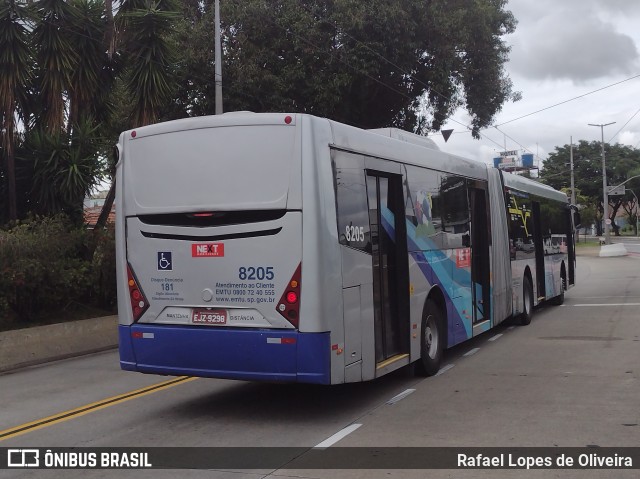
(286, 247)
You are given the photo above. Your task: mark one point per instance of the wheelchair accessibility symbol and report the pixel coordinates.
(164, 261)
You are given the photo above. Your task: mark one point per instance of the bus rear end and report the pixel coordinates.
(209, 251)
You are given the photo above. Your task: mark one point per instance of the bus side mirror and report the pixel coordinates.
(575, 214)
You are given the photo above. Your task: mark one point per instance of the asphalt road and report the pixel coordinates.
(570, 378)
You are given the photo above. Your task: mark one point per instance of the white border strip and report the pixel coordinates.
(444, 369)
(609, 304)
(400, 396)
(337, 436)
(497, 336)
(472, 352)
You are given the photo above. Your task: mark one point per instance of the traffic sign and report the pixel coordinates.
(616, 190)
(608, 221)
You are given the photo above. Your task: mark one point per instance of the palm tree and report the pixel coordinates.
(144, 27)
(74, 76)
(92, 76)
(15, 75)
(57, 58)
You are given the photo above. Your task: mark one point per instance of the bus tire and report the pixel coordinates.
(558, 300)
(432, 340)
(527, 302)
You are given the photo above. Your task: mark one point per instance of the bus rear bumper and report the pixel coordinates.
(246, 354)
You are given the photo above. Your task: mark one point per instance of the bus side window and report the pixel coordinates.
(351, 201)
(440, 207)
(423, 206)
(455, 210)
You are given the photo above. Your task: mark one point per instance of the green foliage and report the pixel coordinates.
(588, 216)
(103, 269)
(622, 162)
(56, 58)
(42, 265)
(45, 267)
(64, 168)
(93, 76)
(145, 25)
(15, 77)
(408, 64)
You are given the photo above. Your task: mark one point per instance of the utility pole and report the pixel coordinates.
(573, 187)
(605, 206)
(218, 53)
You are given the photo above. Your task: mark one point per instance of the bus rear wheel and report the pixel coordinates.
(432, 340)
(558, 300)
(527, 302)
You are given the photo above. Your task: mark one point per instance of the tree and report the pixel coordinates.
(621, 162)
(56, 59)
(144, 27)
(408, 64)
(65, 167)
(15, 76)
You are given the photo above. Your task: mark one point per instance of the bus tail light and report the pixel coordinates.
(289, 304)
(139, 303)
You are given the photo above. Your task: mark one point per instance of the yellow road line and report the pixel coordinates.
(87, 408)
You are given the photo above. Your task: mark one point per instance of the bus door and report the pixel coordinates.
(390, 264)
(539, 249)
(480, 265)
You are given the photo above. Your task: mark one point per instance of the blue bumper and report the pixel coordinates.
(247, 354)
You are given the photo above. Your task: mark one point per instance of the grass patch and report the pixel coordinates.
(590, 242)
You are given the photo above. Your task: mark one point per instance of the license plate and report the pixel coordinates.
(209, 316)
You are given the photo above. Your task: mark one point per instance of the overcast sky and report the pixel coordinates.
(562, 49)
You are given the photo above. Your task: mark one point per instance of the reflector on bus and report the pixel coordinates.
(139, 303)
(289, 304)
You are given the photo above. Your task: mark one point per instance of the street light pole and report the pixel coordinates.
(605, 206)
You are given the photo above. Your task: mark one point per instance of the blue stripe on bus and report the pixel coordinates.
(457, 328)
(218, 352)
(127, 356)
(440, 269)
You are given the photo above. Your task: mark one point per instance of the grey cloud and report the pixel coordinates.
(576, 46)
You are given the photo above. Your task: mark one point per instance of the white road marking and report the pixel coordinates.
(445, 369)
(609, 304)
(472, 352)
(495, 337)
(337, 436)
(605, 297)
(400, 396)
(510, 328)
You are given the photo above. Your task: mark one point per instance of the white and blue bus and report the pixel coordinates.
(286, 247)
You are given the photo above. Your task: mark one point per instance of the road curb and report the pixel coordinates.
(30, 346)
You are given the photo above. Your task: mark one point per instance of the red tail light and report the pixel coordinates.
(139, 303)
(289, 304)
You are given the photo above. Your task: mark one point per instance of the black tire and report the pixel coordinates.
(432, 340)
(558, 300)
(527, 302)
